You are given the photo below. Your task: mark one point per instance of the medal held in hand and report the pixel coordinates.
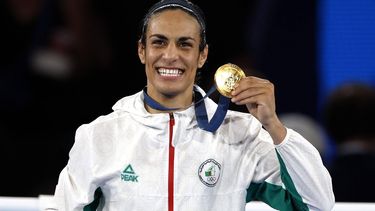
(226, 77)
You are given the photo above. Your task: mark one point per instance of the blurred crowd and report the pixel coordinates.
(60, 68)
(348, 117)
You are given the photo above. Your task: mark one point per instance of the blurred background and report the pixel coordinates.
(65, 62)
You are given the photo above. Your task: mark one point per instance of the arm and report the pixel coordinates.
(294, 176)
(301, 161)
(77, 188)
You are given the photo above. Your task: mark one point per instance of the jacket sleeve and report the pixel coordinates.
(300, 181)
(77, 188)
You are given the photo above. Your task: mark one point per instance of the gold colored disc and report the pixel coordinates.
(226, 77)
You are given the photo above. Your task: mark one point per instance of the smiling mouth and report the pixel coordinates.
(170, 72)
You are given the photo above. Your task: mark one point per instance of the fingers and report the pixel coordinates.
(256, 100)
(258, 95)
(252, 90)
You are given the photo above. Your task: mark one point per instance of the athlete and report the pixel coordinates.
(161, 148)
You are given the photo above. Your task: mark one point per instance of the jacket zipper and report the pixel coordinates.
(171, 165)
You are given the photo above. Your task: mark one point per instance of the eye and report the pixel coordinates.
(185, 44)
(158, 42)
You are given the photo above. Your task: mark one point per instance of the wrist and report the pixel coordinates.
(276, 130)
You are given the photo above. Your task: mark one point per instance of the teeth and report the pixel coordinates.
(169, 72)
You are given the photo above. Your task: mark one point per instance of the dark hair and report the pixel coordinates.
(184, 5)
(349, 112)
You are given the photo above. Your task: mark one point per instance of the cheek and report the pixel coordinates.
(190, 58)
(151, 57)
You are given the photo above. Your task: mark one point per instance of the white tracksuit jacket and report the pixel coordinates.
(131, 160)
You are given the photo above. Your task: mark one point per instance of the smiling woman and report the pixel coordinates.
(172, 46)
(145, 157)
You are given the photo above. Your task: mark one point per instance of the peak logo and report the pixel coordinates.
(129, 175)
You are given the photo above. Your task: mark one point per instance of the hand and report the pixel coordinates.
(259, 97)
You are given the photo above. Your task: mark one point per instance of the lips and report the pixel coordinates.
(170, 72)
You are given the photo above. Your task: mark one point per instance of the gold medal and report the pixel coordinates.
(226, 77)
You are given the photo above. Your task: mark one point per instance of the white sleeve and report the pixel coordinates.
(76, 185)
(306, 170)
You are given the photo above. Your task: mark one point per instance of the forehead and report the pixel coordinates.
(175, 20)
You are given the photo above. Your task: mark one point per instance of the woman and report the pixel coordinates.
(152, 152)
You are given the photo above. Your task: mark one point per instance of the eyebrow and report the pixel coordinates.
(160, 36)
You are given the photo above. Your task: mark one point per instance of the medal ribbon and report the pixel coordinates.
(200, 109)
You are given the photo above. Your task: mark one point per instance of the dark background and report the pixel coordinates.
(97, 42)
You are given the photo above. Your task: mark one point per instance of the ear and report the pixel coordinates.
(141, 52)
(203, 57)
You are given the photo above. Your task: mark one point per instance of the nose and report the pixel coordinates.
(171, 52)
